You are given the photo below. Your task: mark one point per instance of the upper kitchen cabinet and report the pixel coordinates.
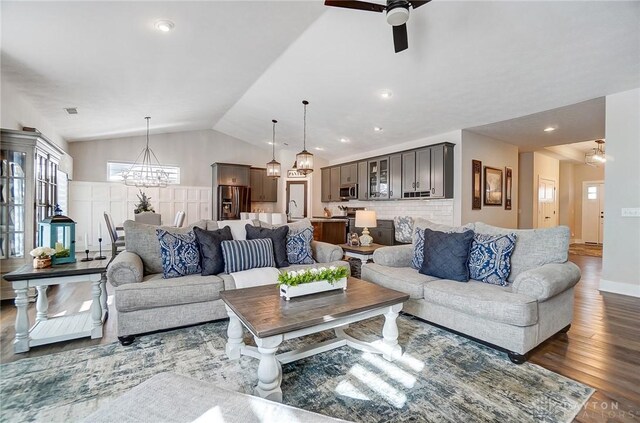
(263, 188)
(379, 178)
(231, 174)
(349, 174)
(428, 172)
(335, 184)
(363, 180)
(395, 177)
(330, 189)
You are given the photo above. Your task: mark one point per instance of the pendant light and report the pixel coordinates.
(304, 159)
(146, 173)
(273, 167)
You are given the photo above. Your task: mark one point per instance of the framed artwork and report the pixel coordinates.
(508, 174)
(476, 184)
(492, 186)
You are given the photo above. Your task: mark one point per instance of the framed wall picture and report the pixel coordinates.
(492, 186)
(476, 184)
(508, 175)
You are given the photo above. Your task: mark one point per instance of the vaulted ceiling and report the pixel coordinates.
(234, 66)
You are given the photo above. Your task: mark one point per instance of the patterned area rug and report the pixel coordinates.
(441, 377)
(592, 250)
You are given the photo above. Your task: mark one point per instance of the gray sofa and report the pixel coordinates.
(145, 302)
(537, 304)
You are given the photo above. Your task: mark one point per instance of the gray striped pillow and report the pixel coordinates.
(241, 255)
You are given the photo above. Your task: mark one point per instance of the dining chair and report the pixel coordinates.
(117, 241)
(179, 220)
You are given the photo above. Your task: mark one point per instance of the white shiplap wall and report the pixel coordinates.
(438, 211)
(89, 200)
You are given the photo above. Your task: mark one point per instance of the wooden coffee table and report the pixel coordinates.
(272, 320)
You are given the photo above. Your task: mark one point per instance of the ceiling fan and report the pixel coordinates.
(397, 15)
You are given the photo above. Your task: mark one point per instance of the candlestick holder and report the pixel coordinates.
(100, 256)
(87, 257)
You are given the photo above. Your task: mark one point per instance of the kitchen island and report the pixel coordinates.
(331, 230)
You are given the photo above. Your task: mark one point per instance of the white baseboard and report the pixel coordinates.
(620, 288)
(576, 241)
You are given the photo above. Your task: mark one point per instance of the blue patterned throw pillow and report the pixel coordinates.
(418, 249)
(242, 255)
(299, 246)
(490, 258)
(180, 254)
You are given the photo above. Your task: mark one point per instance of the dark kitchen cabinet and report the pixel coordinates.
(335, 184)
(325, 190)
(349, 174)
(231, 174)
(428, 172)
(383, 233)
(395, 177)
(363, 181)
(263, 187)
(379, 178)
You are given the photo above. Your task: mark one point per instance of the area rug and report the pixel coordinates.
(440, 377)
(592, 250)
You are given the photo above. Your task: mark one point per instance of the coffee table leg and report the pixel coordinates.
(269, 369)
(234, 336)
(390, 333)
(21, 343)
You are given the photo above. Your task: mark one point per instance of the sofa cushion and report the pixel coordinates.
(491, 302)
(154, 291)
(403, 279)
(142, 240)
(237, 227)
(279, 238)
(180, 254)
(534, 247)
(241, 255)
(490, 258)
(446, 255)
(211, 257)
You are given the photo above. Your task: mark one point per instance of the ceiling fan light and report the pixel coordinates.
(397, 16)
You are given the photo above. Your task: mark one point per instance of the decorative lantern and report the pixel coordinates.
(59, 233)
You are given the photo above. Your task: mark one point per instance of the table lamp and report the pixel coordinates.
(366, 219)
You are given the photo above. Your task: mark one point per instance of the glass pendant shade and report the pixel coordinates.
(146, 171)
(304, 159)
(273, 167)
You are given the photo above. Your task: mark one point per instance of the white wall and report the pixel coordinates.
(566, 197)
(533, 167)
(441, 211)
(16, 112)
(620, 263)
(492, 153)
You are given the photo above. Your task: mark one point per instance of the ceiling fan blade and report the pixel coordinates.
(358, 5)
(400, 41)
(418, 3)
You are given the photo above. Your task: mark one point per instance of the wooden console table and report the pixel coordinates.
(47, 330)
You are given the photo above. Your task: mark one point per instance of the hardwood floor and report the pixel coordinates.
(602, 349)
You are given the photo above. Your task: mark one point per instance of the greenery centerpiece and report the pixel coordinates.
(311, 281)
(144, 204)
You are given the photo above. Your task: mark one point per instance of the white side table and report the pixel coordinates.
(47, 330)
(361, 253)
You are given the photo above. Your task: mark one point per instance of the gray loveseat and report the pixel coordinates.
(537, 304)
(146, 302)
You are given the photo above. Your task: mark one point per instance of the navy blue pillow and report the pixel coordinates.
(446, 255)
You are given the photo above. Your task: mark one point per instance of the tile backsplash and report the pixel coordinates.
(439, 211)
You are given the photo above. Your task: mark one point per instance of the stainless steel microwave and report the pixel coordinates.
(349, 192)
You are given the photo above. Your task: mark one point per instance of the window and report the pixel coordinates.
(116, 169)
(592, 193)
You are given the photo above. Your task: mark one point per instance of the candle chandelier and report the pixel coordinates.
(304, 159)
(146, 171)
(273, 167)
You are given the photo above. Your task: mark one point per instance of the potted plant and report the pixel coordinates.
(311, 281)
(42, 257)
(144, 204)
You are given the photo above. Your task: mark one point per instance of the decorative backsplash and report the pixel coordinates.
(438, 211)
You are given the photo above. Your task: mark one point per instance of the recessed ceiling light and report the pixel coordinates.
(344, 140)
(386, 94)
(165, 25)
(270, 142)
(320, 148)
(377, 129)
(549, 129)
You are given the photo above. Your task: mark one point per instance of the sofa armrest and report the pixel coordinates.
(323, 252)
(547, 281)
(125, 268)
(394, 256)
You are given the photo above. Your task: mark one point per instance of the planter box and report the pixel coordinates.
(289, 292)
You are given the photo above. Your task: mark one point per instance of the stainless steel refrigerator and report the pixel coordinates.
(232, 201)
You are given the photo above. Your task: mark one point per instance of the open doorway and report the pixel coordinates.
(296, 200)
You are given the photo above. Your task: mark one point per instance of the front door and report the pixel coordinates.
(592, 212)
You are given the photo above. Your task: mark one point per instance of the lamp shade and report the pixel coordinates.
(366, 219)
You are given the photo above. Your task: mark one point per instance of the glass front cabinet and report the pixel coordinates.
(28, 194)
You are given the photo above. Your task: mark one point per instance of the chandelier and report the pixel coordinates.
(146, 171)
(596, 155)
(273, 167)
(304, 159)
